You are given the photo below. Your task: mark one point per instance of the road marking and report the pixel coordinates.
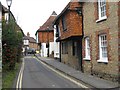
(20, 76)
(74, 81)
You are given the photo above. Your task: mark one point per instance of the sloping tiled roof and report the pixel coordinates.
(19, 29)
(48, 23)
(31, 39)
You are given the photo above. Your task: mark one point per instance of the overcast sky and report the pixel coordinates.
(31, 14)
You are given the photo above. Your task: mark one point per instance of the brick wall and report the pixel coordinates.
(33, 45)
(93, 29)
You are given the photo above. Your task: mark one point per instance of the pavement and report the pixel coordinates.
(93, 81)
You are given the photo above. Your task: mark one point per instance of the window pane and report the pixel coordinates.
(87, 47)
(102, 8)
(103, 46)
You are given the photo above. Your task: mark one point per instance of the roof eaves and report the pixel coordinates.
(36, 32)
(61, 14)
(45, 30)
(5, 10)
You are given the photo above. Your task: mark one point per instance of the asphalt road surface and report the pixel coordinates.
(36, 75)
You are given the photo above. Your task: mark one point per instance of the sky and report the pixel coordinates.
(31, 14)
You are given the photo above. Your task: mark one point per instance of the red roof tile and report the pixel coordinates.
(48, 23)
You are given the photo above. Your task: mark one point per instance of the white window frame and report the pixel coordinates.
(26, 42)
(101, 10)
(103, 48)
(87, 48)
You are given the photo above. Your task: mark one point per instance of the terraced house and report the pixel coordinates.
(29, 43)
(101, 44)
(89, 34)
(45, 37)
(69, 33)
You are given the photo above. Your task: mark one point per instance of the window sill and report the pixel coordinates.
(103, 60)
(86, 59)
(101, 19)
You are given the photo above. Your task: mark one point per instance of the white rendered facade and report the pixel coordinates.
(56, 45)
(44, 50)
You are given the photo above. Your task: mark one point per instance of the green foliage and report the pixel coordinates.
(19, 46)
(9, 34)
(12, 45)
(8, 77)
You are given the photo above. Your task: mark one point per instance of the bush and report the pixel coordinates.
(12, 44)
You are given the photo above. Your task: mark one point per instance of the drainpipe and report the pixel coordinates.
(60, 50)
(79, 10)
(58, 37)
(48, 41)
(82, 37)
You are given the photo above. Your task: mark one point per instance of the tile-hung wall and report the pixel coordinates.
(0, 36)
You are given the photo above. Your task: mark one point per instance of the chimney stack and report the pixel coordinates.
(28, 34)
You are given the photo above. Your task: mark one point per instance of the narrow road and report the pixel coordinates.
(36, 75)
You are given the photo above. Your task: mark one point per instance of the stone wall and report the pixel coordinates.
(69, 59)
(93, 29)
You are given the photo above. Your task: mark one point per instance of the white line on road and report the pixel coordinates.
(56, 71)
(19, 80)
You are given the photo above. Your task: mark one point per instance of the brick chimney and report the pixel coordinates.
(28, 34)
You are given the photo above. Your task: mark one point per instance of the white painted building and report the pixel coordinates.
(56, 44)
(44, 49)
(25, 43)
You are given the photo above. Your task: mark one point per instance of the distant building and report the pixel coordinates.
(45, 37)
(29, 42)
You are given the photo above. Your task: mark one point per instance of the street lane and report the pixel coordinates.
(36, 75)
